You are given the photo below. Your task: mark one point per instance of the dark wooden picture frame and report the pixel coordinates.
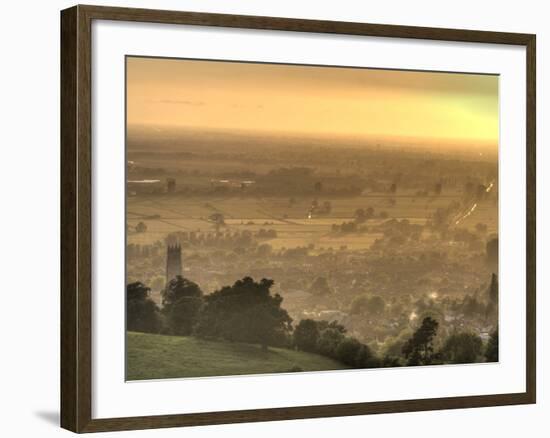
(76, 218)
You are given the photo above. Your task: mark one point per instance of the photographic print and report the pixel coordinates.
(295, 218)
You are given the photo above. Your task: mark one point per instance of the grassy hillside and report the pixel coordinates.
(157, 356)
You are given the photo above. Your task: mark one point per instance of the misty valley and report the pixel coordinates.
(252, 253)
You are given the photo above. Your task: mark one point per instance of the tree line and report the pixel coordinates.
(248, 312)
(243, 312)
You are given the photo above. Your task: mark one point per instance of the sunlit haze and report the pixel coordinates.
(276, 98)
(299, 219)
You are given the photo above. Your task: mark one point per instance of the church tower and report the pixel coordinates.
(173, 261)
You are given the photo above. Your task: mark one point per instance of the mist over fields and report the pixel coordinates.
(375, 234)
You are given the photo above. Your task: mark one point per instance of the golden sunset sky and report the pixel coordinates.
(313, 100)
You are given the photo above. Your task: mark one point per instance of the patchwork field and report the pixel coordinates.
(164, 214)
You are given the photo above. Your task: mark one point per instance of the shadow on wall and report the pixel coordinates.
(51, 417)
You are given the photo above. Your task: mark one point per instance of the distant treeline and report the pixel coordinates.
(248, 312)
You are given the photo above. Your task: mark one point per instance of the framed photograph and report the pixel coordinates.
(270, 218)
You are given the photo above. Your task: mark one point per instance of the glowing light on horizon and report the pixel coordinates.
(440, 108)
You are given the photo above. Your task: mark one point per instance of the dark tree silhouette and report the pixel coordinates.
(419, 348)
(330, 336)
(306, 335)
(491, 352)
(353, 353)
(389, 361)
(142, 314)
(182, 301)
(492, 298)
(462, 348)
(493, 290)
(245, 312)
(348, 351)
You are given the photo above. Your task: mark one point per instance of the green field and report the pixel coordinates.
(160, 357)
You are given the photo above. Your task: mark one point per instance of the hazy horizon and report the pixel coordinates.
(435, 145)
(447, 109)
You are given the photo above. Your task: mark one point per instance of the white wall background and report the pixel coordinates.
(29, 215)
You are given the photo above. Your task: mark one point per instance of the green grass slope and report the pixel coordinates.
(160, 357)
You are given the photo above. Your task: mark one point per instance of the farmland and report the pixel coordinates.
(331, 221)
(174, 213)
